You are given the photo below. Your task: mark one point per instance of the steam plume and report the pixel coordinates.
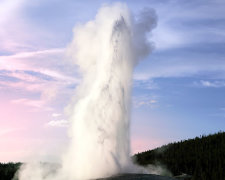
(106, 51)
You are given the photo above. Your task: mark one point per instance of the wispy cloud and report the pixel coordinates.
(39, 64)
(187, 44)
(35, 105)
(174, 64)
(56, 114)
(13, 23)
(140, 82)
(211, 84)
(28, 102)
(177, 29)
(32, 60)
(6, 131)
(20, 33)
(39, 72)
(145, 100)
(7, 7)
(57, 123)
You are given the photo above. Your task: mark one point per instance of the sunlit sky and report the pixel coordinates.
(178, 90)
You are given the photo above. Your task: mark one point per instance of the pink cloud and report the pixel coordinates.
(5, 131)
(24, 60)
(19, 64)
(28, 102)
(37, 74)
(57, 123)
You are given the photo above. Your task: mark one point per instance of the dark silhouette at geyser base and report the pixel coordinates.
(138, 177)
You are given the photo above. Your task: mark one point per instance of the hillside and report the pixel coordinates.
(202, 157)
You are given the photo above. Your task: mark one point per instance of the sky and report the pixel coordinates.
(178, 90)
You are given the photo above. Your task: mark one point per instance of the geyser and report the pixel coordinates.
(106, 51)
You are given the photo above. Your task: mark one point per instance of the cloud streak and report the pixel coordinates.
(184, 29)
(40, 72)
(210, 84)
(58, 123)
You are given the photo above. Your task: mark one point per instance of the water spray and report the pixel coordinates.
(106, 50)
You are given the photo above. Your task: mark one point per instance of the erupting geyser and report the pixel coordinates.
(106, 51)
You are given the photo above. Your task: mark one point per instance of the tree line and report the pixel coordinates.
(203, 157)
(7, 170)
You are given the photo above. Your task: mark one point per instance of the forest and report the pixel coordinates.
(8, 170)
(203, 158)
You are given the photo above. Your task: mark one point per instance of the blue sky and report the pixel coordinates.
(178, 93)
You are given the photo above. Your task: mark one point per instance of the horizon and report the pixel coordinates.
(178, 90)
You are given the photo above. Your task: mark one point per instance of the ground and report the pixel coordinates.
(138, 177)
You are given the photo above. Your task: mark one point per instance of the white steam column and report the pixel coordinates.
(106, 51)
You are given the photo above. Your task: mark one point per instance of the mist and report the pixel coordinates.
(106, 51)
